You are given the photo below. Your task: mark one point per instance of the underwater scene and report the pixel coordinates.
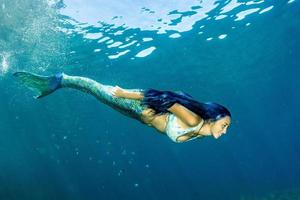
(69, 145)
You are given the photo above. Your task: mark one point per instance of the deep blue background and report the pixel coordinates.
(70, 146)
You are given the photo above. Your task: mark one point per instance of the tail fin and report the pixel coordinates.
(42, 85)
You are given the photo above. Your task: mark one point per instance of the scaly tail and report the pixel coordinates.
(42, 85)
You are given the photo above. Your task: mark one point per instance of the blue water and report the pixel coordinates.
(241, 54)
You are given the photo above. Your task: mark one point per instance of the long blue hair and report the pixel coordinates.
(160, 101)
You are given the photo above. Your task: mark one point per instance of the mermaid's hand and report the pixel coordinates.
(117, 91)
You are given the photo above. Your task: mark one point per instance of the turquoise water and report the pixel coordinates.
(241, 54)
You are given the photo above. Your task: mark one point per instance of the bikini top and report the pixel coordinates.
(174, 130)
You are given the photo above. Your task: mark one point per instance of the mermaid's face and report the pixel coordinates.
(219, 127)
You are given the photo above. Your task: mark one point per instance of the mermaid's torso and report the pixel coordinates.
(174, 130)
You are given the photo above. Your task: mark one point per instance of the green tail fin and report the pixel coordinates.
(42, 85)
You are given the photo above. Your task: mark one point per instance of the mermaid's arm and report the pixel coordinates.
(187, 116)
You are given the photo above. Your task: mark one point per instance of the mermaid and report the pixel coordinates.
(173, 113)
